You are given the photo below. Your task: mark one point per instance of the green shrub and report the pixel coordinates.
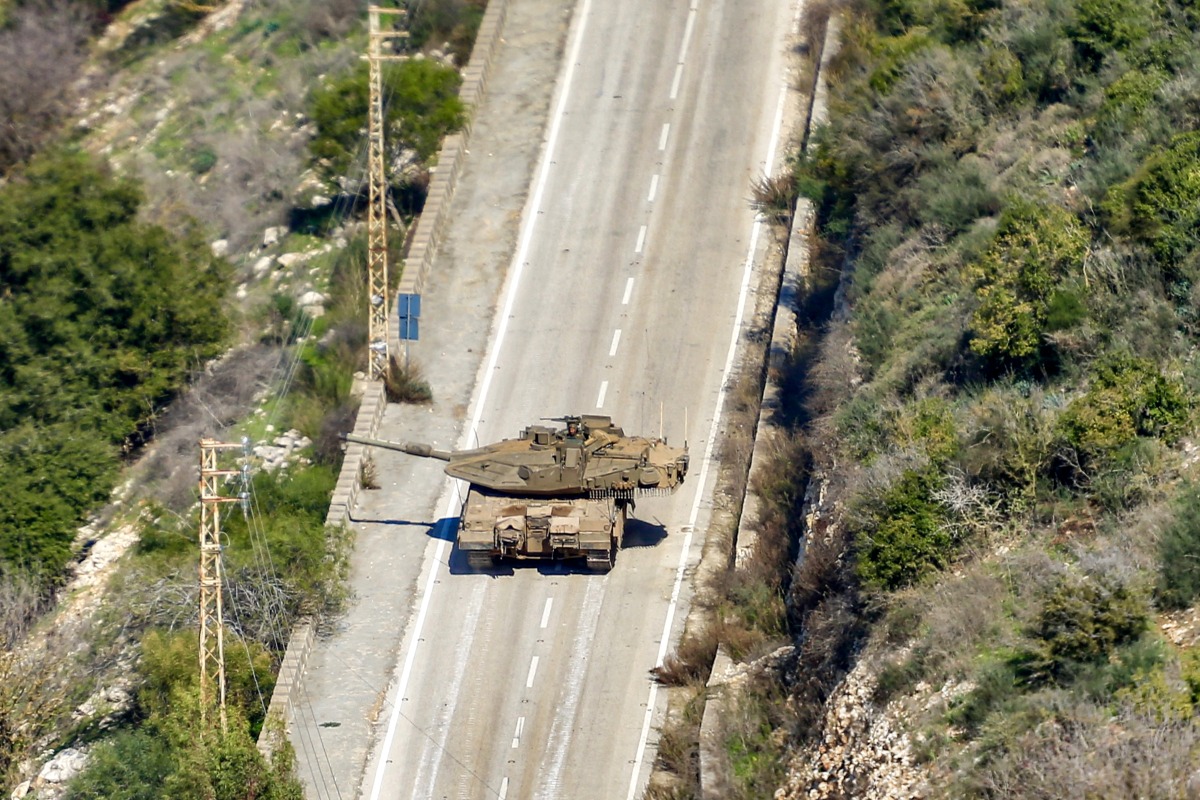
(102, 319)
(1160, 204)
(421, 107)
(1083, 620)
(132, 765)
(996, 688)
(1128, 398)
(1002, 77)
(908, 539)
(862, 426)
(1036, 247)
(172, 754)
(453, 21)
(1179, 552)
(955, 196)
(1104, 26)
(1011, 439)
(930, 425)
(1127, 100)
(891, 55)
(203, 160)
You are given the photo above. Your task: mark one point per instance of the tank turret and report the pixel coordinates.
(588, 457)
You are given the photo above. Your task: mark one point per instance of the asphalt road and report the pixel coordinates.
(628, 283)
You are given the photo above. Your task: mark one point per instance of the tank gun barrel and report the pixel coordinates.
(413, 449)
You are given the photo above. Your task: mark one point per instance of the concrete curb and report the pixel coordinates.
(430, 228)
(714, 767)
(345, 493)
(783, 342)
(287, 686)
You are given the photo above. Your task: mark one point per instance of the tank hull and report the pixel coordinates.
(495, 526)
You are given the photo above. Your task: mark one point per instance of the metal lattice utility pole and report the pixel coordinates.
(212, 620)
(377, 259)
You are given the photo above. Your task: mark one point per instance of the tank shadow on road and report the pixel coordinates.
(643, 533)
(436, 530)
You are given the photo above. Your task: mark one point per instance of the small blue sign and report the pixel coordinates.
(408, 308)
(409, 305)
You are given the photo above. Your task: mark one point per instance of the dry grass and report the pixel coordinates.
(774, 197)
(677, 765)
(42, 49)
(368, 473)
(406, 385)
(692, 660)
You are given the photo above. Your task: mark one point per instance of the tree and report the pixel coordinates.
(421, 106)
(102, 318)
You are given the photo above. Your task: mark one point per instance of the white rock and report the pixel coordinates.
(320, 201)
(291, 259)
(311, 298)
(262, 265)
(314, 311)
(272, 235)
(21, 791)
(270, 454)
(241, 291)
(220, 248)
(64, 766)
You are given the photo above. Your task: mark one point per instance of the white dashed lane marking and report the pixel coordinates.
(532, 671)
(612, 351)
(653, 189)
(603, 391)
(641, 239)
(628, 292)
(662, 137)
(516, 742)
(546, 611)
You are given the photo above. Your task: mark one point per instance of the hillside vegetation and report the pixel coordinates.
(102, 318)
(1005, 412)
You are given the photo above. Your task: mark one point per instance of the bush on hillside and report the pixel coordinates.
(1036, 247)
(421, 106)
(1160, 205)
(1179, 552)
(102, 320)
(909, 538)
(1083, 620)
(456, 22)
(1129, 397)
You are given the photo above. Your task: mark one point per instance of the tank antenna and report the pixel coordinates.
(685, 430)
(660, 420)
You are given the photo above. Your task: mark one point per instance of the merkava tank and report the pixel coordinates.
(554, 493)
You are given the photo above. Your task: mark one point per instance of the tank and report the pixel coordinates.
(554, 492)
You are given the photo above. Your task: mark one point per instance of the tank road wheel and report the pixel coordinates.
(479, 560)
